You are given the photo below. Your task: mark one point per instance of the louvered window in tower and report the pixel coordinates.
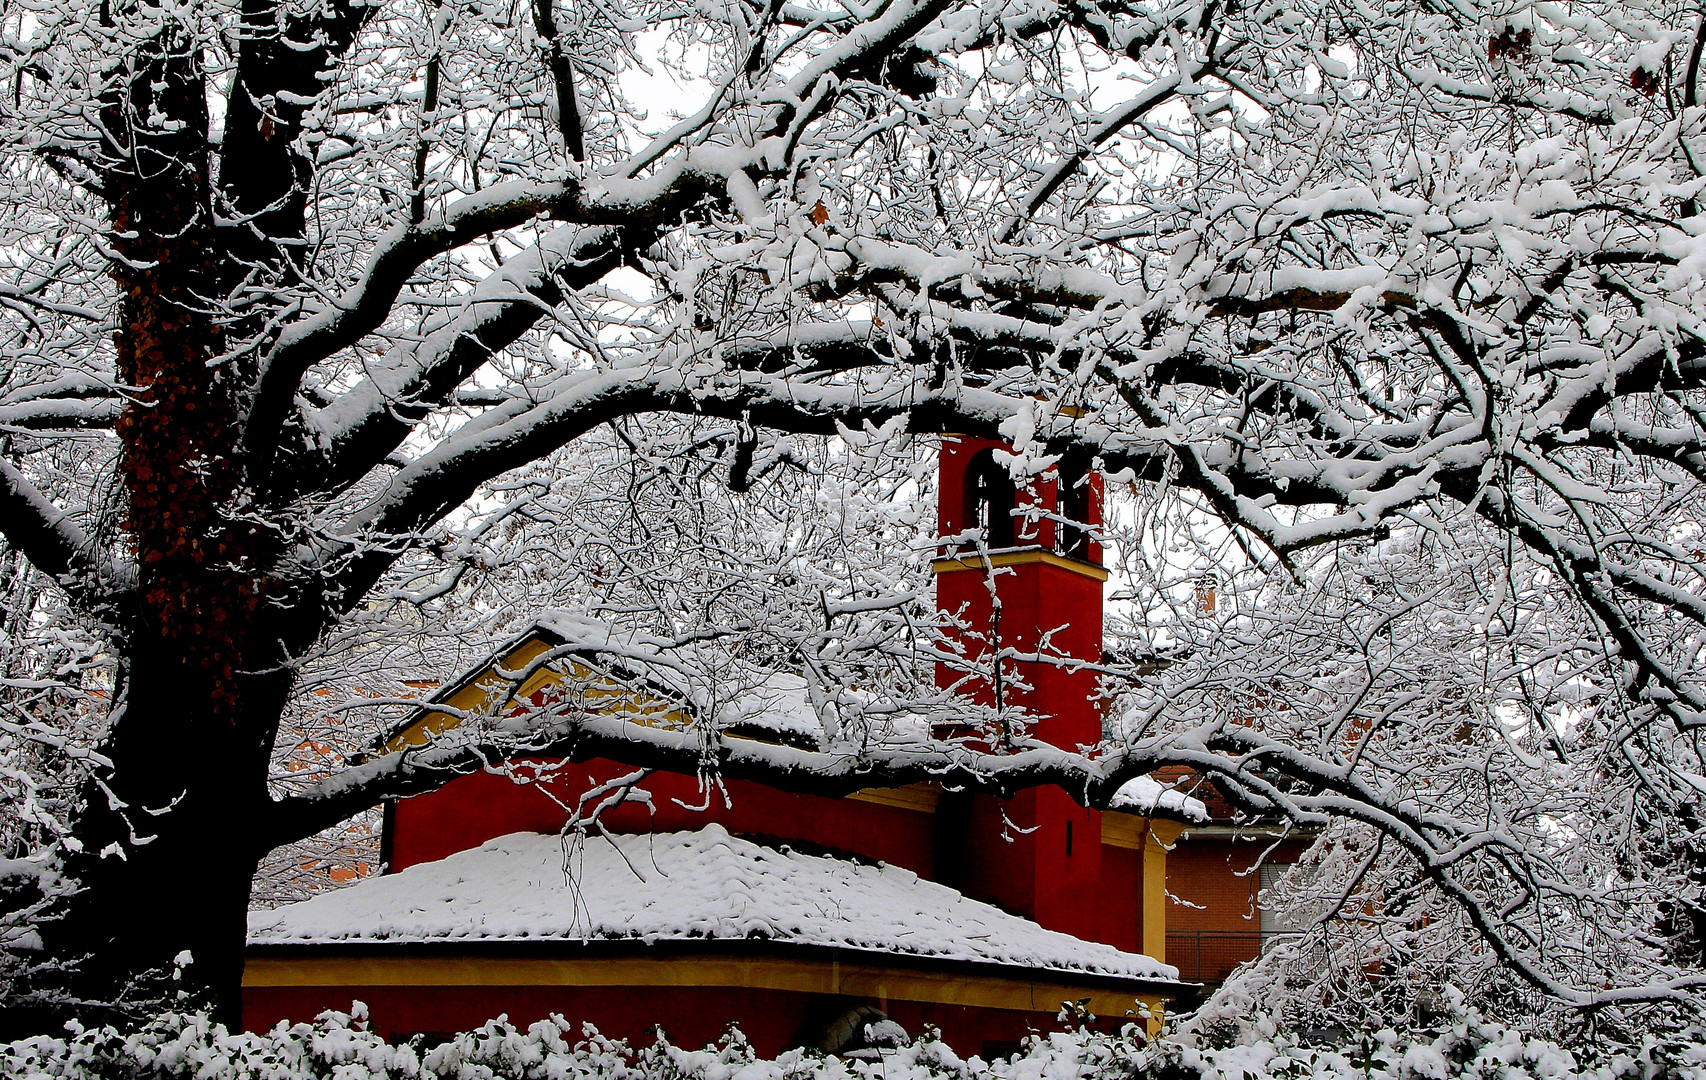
(1072, 535)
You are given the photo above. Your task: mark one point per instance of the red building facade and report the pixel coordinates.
(791, 913)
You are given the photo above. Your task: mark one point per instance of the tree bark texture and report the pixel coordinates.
(165, 866)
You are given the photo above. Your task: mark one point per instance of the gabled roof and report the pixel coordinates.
(702, 886)
(618, 669)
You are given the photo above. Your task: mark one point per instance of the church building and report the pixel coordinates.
(807, 921)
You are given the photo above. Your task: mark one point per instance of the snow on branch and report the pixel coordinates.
(50, 538)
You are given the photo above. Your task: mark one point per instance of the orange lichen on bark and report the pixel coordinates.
(198, 587)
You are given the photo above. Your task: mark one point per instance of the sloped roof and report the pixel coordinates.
(705, 885)
(630, 668)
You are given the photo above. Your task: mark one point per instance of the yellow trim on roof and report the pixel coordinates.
(831, 975)
(1165, 831)
(489, 692)
(921, 798)
(1018, 558)
(1131, 831)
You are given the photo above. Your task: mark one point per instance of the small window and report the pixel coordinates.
(1275, 924)
(989, 499)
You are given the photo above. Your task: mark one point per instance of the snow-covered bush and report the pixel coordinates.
(339, 1046)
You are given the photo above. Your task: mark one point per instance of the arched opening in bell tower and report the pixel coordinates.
(990, 499)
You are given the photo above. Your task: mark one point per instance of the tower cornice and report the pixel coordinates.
(1019, 557)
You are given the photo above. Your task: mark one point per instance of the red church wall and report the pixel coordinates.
(991, 855)
(472, 809)
(770, 1018)
(1038, 601)
(1066, 858)
(1014, 853)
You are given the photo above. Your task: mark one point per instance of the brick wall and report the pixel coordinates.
(1212, 922)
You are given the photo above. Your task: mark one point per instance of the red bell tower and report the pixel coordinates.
(1020, 570)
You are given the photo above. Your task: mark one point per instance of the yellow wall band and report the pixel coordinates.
(1018, 558)
(830, 976)
(922, 798)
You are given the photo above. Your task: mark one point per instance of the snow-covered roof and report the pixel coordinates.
(700, 885)
(672, 684)
(736, 696)
(739, 697)
(773, 701)
(1147, 795)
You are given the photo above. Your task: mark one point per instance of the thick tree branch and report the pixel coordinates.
(363, 307)
(61, 413)
(562, 70)
(366, 423)
(786, 768)
(264, 177)
(54, 543)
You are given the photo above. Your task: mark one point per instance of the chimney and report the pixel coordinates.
(1205, 592)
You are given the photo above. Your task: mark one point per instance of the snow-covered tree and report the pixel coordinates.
(304, 302)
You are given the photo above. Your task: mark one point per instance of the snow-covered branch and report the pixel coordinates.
(54, 543)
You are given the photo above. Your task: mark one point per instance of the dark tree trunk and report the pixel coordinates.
(167, 827)
(168, 856)
(167, 862)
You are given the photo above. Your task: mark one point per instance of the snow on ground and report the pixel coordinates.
(696, 885)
